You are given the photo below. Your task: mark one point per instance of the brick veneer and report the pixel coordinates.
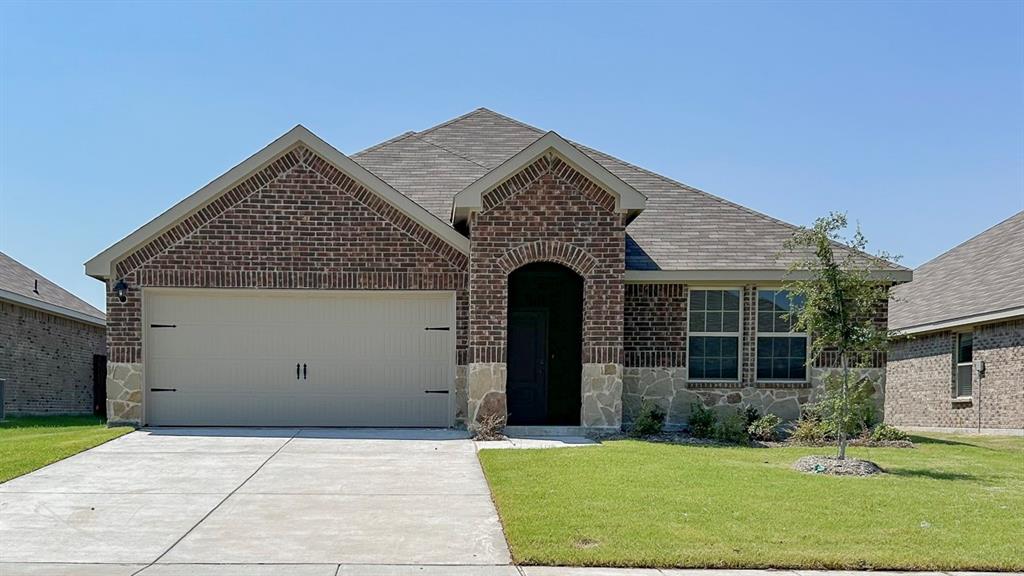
(47, 361)
(654, 330)
(921, 375)
(548, 212)
(297, 224)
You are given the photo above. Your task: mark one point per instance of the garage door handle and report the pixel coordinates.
(303, 371)
(435, 391)
(296, 370)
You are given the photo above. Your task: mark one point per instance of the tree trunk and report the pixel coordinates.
(844, 406)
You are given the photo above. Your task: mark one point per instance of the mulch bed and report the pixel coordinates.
(833, 466)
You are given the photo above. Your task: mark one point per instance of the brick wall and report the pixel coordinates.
(921, 374)
(297, 224)
(654, 330)
(548, 212)
(47, 361)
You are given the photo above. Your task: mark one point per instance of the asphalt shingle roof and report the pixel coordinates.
(682, 228)
(21, 280)
(983, 275)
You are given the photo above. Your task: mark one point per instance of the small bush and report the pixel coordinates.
(808, 430)
(732, 428)
(490, 426)
(765, 428)
(702, 421)
(751, 414)
(650, 421)
(886, 433)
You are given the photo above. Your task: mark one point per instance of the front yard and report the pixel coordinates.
(30, 442)
(951, 503)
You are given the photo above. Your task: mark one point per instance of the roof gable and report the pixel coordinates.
(101, 266)
(627, 198)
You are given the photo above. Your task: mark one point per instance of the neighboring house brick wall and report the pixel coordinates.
(297, 224)
(47, 361)
(549, 212)
(922, 372)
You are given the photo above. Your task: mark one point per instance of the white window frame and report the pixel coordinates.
(738, 334)
(957, 364)
(757, 333)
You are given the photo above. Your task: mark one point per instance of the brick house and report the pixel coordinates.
(960, 363)
(479, 266)
(48, 342)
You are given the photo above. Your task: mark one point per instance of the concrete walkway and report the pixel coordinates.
(169, 501)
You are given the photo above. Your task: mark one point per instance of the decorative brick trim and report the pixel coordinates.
(548, 164)
(176, 278)
(698, 385)
(563, 253)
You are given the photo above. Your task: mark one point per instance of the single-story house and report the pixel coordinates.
(482, 266)
(50, 343)
(959, 363)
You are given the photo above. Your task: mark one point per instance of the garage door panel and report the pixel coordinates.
(232, 357)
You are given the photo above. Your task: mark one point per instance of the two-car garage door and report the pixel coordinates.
(286, 358)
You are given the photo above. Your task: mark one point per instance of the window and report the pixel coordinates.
(781, 352)
(714, 343)
(964, 364)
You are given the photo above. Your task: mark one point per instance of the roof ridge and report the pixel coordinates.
(453, 120)
(387, 142)
(512, 120)
(452, 152)
(971, 239)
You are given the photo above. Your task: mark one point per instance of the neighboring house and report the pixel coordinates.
(964, 308)
(481, 266)
(49, 339)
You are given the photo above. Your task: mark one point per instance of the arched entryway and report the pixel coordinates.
(545, 345)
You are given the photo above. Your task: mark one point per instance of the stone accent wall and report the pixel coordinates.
(921, 376)
(602, 396)
(124, 393)
(47, 361)
(298, 224)
(461, 396)
(548, 212)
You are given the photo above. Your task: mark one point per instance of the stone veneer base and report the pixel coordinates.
(485, 389)
(601, 391)
(124, 393)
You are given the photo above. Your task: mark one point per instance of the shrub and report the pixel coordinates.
(702, 421)
(751, 414)
(732, 428)
(886, 433)
(650, 421)
(808, 430)
(861, 413)
(490, 426)
(765, 428)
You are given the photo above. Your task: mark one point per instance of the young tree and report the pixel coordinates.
(841, 287)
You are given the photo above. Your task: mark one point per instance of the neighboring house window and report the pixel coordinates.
(781, 352)
(964, 364)
(714, 343)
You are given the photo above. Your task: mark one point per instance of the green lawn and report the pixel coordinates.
(951, 503)
(28, 443)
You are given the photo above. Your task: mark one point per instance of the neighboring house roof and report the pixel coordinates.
(24, 286)
(978, 281)
(681, 228)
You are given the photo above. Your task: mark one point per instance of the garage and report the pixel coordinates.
(298, 358)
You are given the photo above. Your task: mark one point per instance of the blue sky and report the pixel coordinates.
(909, 116)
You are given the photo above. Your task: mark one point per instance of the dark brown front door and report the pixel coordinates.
(527, 381)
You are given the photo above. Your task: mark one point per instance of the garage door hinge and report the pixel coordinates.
(435, 391)
(163, 389)
(163, 325)
(438, 328)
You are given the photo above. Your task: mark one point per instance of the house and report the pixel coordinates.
(50, 341)
(959, 365)
(479, 267)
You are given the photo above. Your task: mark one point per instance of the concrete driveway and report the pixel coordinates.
(311, 501)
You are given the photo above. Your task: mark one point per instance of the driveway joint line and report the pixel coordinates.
(222, 501)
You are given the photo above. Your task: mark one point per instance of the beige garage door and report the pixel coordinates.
(285, 358)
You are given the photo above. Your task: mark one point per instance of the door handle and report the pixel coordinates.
(296, 370)
(303, 371)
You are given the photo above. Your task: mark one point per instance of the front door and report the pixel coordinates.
(527, 380)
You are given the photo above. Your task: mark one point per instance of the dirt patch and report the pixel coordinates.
(835, 467)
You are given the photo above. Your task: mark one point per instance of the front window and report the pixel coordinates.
(714, 342)
(781, 352)
(964, 364)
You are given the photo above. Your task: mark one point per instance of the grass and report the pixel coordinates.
(951, 503)
(28, 443)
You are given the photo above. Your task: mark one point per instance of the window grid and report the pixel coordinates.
(714, 320)
(779, 349)
(964, 365)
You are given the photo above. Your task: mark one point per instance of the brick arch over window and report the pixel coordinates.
(564, 253)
